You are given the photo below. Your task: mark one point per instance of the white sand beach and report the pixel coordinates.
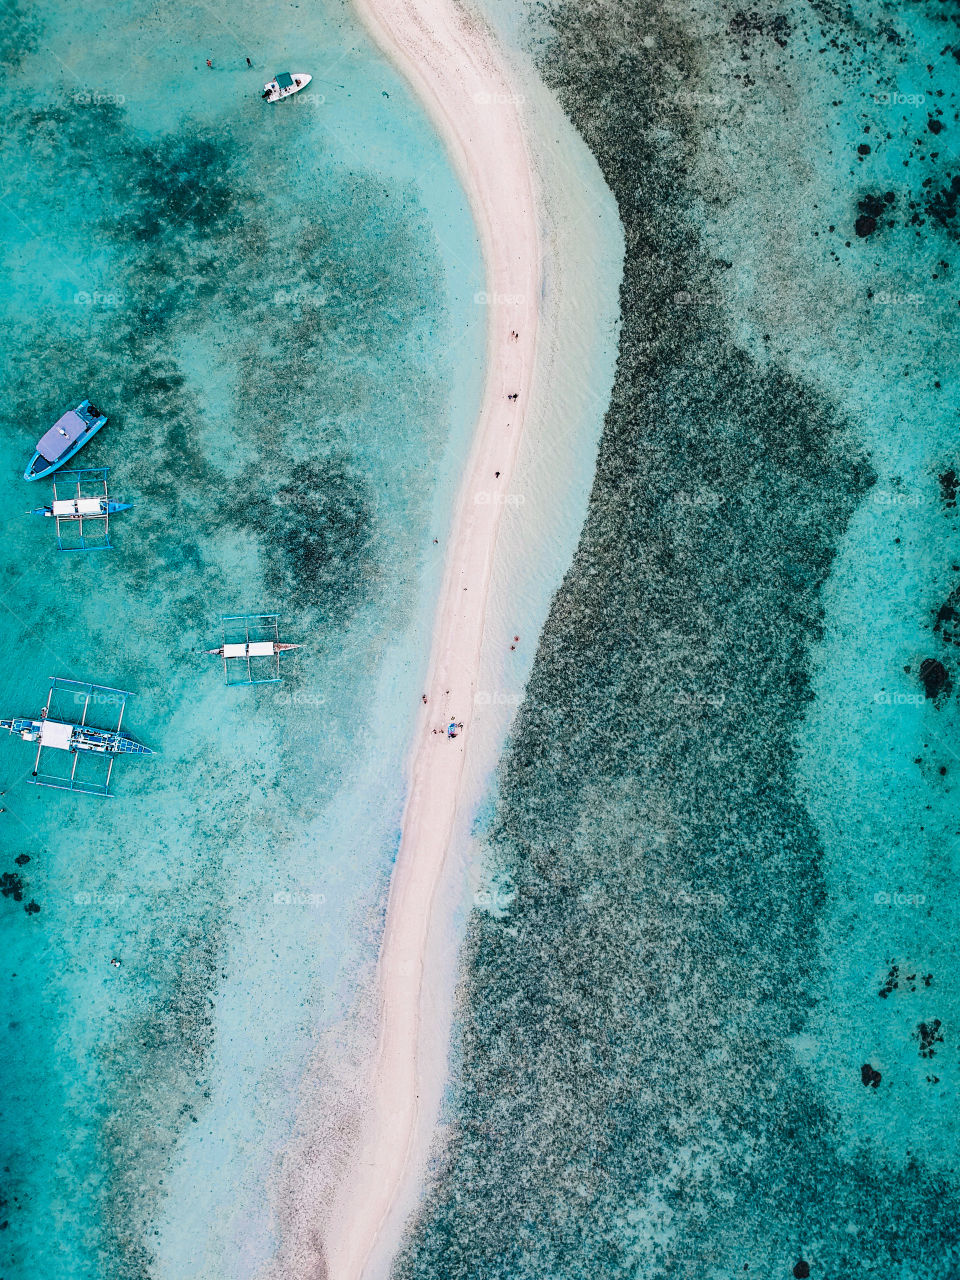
(455, 71)
(455, 65)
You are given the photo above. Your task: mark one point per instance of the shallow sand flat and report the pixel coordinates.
(530, 209)
(455, 70)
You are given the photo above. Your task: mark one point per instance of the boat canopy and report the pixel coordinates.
(64, 432)
(82, 509)
(53, 733)
(253, 649)
(260, 648)
(78, 507)
(284, 80)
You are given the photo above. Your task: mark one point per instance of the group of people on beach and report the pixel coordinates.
(455, 726)
(452, 729)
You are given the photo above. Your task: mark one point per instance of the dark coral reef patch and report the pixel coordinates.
(626, 1103)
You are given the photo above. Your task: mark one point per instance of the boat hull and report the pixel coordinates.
(111, 509)
(81, 738)
(274, 92)
(41, 466)
(264, 649)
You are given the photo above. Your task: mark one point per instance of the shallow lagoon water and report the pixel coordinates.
(275, 307)
(723, 767)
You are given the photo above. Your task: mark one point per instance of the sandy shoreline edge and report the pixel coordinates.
(542, 344)
(450, 60)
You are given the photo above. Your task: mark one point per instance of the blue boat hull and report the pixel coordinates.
(83, 738)
(112, 509)
(74, 448)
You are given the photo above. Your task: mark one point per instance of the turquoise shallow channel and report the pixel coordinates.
(275, 307)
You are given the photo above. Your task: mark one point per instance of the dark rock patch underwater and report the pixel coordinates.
(192, 237)
(625, 1100)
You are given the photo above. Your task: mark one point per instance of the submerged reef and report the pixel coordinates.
(194, 241)
(626, 1100)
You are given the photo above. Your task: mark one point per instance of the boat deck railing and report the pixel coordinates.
(75, 487)
(80, 703)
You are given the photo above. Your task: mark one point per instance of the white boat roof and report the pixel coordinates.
(255, 649)
(64, 432)
(54, 733)
(77, 506)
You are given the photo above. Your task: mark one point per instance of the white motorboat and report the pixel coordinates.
(285, 84)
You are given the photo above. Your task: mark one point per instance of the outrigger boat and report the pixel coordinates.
(248, 637)
(252, 649)
(83, 517)
(66, 437)
(77, 738)
(285, 84)
(78, 507)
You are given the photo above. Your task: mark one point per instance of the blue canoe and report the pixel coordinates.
(65, 438)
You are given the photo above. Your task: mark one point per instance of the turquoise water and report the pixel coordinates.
(711, 1027)
(275, 308)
